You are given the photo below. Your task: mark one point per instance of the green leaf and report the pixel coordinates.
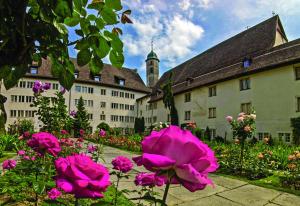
(109, 16)
(96, 65)
(114, 4)
(13, 75)
(66, 78)
(56, 67)
(39, 187)
(62, 8)
(72, 21)
(84, 24)
(117, 44)
(91, 17)
(79, 32)
(83, 57)
(60, 27)
(100, 23)
(96, 5)
(82, 44)
(116, 58)
(103, 49)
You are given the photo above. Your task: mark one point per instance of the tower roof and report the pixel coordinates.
(152, 55)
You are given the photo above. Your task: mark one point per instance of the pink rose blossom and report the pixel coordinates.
(241, 114)
(9, 164)
(149, 179)
(91, 148)
(26, 157)
(21, 152)
(44, 142)
(240, 119)
(64, 132)
(62, 90)
(247, 128)
(102, 133)
(54, 193)
(179, 151)
(26, 134)
(229, 119)
(37, 87)
(253, 116)
(33, 158)
(78, 174)
(46, 86)
(81, 132)
(122, 164)
(73, 113)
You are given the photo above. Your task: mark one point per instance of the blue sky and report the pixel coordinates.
(182, 29)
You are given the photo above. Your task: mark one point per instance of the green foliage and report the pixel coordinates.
(52, 112)
(198, 132)
(103, 126)
(207, 134)
(21, 126)
(9, 142)
(295, 123)
(81, 120)
(32, 30)
(169, 102)
(139, 125)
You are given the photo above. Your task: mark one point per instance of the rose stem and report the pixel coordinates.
(116, 194)
(166, 193)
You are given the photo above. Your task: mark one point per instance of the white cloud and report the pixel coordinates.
(184, 4)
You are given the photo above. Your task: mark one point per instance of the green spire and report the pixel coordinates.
(152, 54)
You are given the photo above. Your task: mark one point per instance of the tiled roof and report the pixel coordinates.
(108, 74)
(224, 61)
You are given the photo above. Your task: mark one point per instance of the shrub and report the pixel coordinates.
(198, 132)
(295, 123)
(25, 125)
(9, 142)
(81, 121)
(103, 126)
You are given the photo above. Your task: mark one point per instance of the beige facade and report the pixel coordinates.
(115, 106)
(273, 94)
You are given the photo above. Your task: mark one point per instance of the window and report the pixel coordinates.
(103, 92)
(55, 86)
(84, 89)
(126, 107)
(284, 136)
(14, 98)
(30, 84)
(212, 133)
(132, 96)
(102, 104)
(102, 117)
(246, 108)
(126, 118)
(90, 90)
(114, 105)
(244, 84)
(187, 97)
(212, 91)
(120, 81)
(114, 118)
(33, 70)
(187, 115)
(151, 70)
(90, 116)
(21, 98)
(22, 84)
(76, 74)
(212, 112)
(121, 106)
(121, 94)
(126, 95)
(155, 119)
(97, 78)
(131, 119)
(298, 104)
(114, 93)
(132, 107)
(121, 118)
(78, 88)
(13, 113)
(247, 62)
(90, 103)
(297, 73)
(262, 135)
(20, 113)
(29, 98)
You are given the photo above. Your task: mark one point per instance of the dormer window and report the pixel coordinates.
(189, 81)
(97, 78)
(33, 70)
(76, 74)
(247, 62)
(120, 81)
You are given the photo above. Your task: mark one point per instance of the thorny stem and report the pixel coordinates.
(116, 193)
(166, 193)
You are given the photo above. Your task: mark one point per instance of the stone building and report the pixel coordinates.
(257, 68)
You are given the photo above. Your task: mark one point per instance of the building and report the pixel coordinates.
(109, 96)
(258, 68)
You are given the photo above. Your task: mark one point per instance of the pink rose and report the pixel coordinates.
(149, 179)
(247, 128)
(26, 134)
(73, 113)
(178, 151)
(241, 114)
(91, 148)
(9, 164)
(33, 158)
(46, 86)
(54, 193)
(229, 119)
(37, 87)
(63, 132)
(122, 164)
(252, 116)
(102, 133)
(78, 174)
(44, 142)
(240, 119)
(21, 152)
(81, 132)
(26, 157)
